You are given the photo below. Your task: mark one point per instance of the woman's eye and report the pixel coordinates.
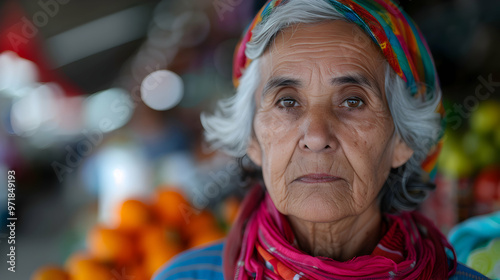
(352, 103)
(287, 102)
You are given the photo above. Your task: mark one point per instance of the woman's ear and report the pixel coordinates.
(254, 152)
(402, 153)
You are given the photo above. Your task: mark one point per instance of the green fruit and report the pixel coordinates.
(496, 136)
(481, 261)
(485, 155)
(453, 160)
(486, 118)
(479, 148)
(458, 165)
(471, 142)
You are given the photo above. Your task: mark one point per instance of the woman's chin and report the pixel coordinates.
(322, 209)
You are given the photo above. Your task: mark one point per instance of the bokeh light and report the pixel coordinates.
(162, 90)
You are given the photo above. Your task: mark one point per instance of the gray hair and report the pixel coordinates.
(415, 120)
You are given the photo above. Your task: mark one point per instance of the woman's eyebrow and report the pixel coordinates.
(352, 79)
(277, 82)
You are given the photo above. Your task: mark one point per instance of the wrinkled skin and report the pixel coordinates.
(321, 108)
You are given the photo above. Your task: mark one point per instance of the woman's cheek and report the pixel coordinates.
(274, 131)
(274, 126)
(368, 126)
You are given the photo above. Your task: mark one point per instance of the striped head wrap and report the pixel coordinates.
(394, 32)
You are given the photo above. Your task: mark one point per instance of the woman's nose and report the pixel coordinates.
(318, 132)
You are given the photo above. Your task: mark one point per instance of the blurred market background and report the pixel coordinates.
(99, 119)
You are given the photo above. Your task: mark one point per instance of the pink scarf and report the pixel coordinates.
(261, 245)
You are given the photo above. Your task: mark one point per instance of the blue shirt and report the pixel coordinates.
(198, 263)
(205, 263)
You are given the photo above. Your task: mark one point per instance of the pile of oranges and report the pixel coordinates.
(146, 237)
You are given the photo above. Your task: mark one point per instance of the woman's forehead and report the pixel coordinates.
(330, 29)
(332, 49)
(329, 42)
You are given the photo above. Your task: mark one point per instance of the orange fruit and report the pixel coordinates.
(82, 267)
(154, 236)
(157, 257)
(158, 245)
(170, 205)
(205, 237)
(134, 214)
(138, 273)
(75, 258)
(131, 272)
(198, 223)
(50, 273)
(230, 209)
(111, 245)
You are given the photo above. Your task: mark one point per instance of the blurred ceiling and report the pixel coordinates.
(82, 40)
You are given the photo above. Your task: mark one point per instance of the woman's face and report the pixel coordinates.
(324, 135)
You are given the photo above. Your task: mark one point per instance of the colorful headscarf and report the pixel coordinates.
(393, 31)
(262, 245)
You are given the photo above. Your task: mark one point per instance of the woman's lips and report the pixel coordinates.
(317, 178)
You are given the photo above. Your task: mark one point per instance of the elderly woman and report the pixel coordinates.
(338, 107)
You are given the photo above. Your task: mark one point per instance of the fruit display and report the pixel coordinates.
(468, 179)
(147, 234)
(468, 149)
(486, 259)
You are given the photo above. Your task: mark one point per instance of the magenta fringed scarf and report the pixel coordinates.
(261, 245)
